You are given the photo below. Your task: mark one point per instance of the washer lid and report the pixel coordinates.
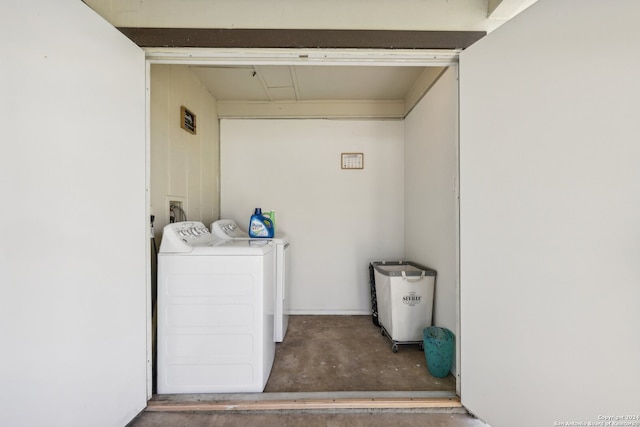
(181, 237)
(193, 238)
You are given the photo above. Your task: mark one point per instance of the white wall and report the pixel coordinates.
(338, 220)
(550, 237)
(184, 167)
(73, 224)
(431, 170)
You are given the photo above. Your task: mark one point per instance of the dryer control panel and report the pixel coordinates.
(184, 236)
(227, 229)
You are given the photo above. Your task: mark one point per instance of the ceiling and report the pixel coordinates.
(307, 83)
(319, 84)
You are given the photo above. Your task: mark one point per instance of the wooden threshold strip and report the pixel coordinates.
(303, 404)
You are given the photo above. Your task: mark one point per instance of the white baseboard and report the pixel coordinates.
(312, 312)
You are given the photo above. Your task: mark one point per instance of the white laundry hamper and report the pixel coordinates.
(404, 296)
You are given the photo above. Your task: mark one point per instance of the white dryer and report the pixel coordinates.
(215, 312)
(228, 229)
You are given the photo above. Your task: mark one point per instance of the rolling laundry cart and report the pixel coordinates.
(404, 299)
(374, 300)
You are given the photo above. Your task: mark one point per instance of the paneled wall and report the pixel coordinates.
(431, 171)
(184, 166)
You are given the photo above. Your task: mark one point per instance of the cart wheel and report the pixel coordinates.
(394, 348)
(381, 331)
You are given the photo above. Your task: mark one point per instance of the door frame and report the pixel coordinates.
(288, 56)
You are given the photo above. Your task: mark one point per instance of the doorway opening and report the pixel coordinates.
(233, 60)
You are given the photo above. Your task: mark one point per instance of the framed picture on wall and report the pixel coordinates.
(187, 120)
(352, 161)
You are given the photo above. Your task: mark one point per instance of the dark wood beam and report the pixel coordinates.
(300, 39)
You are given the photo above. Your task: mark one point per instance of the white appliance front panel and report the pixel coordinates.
(228, 229)
(283, 283)
(215, 322)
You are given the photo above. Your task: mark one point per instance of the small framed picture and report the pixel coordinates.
(187, 120)
(352, 161)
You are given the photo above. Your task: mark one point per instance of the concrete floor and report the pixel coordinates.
(324, 357)
(347, 353)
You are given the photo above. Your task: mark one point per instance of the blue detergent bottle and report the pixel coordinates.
(259, 225)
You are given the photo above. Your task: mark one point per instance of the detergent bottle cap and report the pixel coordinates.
(258, 211)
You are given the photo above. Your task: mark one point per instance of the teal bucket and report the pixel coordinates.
(439, 345)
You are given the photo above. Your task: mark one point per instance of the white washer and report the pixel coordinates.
(215, 312)
(228, 229)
